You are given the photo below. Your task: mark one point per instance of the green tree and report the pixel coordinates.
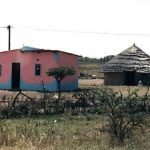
(59, 74)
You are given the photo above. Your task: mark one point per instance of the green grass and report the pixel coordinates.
(66, 132)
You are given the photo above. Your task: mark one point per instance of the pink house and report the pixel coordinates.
(25, 69)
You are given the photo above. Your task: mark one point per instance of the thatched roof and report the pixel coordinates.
(131, 59)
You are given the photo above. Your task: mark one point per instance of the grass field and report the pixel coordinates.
(65, 132)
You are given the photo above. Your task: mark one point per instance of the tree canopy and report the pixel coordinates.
(61, 72)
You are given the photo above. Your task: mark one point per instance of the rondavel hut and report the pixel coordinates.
(25, 69)
(128, 68)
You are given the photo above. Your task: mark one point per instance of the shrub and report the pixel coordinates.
(123, 113)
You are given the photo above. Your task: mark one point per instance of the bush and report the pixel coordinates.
(124, 114)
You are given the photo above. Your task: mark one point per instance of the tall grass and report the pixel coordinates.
(65, 132)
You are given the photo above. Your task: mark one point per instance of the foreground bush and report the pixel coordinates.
(123, 112)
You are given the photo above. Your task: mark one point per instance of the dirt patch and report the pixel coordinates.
(90, 82)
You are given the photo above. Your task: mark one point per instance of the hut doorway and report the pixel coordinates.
(15, 75)
(130, 78)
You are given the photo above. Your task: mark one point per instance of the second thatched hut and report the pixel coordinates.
(128, 68)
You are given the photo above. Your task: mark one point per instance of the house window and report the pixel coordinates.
(37, 69)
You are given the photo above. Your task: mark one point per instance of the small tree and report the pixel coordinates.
(59, 74)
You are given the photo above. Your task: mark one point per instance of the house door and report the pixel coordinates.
(130, 78)
(16, 76)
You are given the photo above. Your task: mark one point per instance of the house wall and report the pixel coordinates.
(65, 59)
(27, 60)
(28, 79)
(114, 78)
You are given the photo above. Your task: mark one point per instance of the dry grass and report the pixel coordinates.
(86, 83)
(141, 90)
(67, 133)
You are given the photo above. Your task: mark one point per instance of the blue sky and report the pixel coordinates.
(93, 28)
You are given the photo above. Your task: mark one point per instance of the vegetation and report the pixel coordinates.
(65, 132)
(59, 74)
(124, 113)
(91, 66)
(59, 132)
(95, 118)
(87, 60)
